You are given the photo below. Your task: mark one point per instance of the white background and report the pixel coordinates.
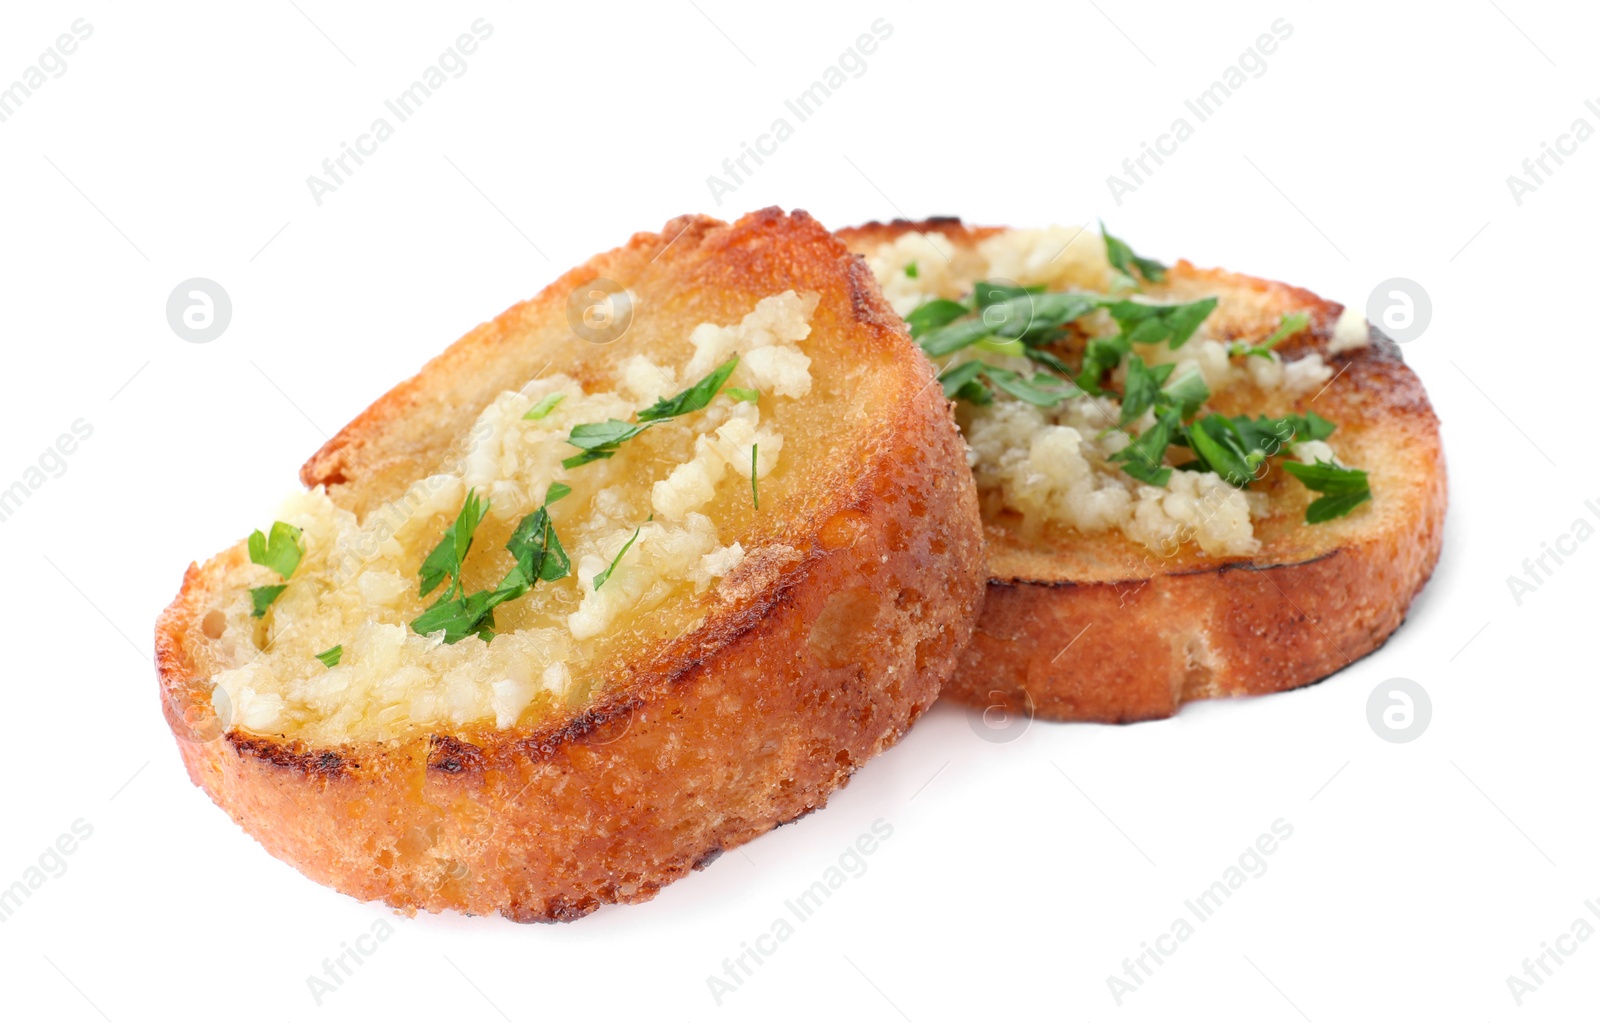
(1019, 874)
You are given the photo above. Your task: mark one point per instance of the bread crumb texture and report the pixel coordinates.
(1052, 466)
(357, 586)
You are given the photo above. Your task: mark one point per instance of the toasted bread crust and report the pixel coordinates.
(1096, 628)
(745, 723)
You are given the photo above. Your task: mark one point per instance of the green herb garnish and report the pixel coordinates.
(1141, 388)
(1188, 393)
(601, 440)
(600, 580)
(1143, 458)
(973, 380)
(755, 487)
(545, 406)
(749, 394)
(694, 398)
(1004, 312)
(1123, 258)
(1223, 447)
(539, 554)
(261, 598)
(445, 559)
(539, 557)
(954, 336)
(935, 313)
(1291, 324)
(1042, 389)
(911, 269)
(1148, 324)
(1343, 489)
(1102, 355)
(280, 551)
(1012, 320)
(331, 656)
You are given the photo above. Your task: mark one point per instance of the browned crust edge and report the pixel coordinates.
(748, 722)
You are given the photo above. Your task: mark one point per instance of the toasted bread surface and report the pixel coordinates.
(1096, 627)
(861, 584)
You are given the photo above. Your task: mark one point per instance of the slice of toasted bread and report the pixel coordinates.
(1092, 626)
(689, 725)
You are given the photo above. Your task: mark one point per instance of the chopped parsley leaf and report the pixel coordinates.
(936, 313)
(1043, 390)
(539, 554)
(1224, 448)
(1123, 258)
(600, 580)
(1147, 324)
(1143, 459)
(1142, 388)
(1235, 448)
(280, 551)
(1343, 489)
(261, 598)
(1101, 357)
(601, 440)
(1011, 320)
(585, 458)
(540, 557)
(1291, 324)
(1006, 312)
(911, 269)
(1188, 393)
(692, 399)
(953, 336)
(445, 559)
(460, 617)
(545, 406)
(972, 381)
(988, 293)
(960, 381)
(1309, 426)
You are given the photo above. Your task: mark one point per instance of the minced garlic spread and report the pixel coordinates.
(1052, 465)
(357, 585)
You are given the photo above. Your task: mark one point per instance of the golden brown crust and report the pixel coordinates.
(1098, 628)
(702, 744)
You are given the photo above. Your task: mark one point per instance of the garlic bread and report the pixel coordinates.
(637, 571)
(1194, 483)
